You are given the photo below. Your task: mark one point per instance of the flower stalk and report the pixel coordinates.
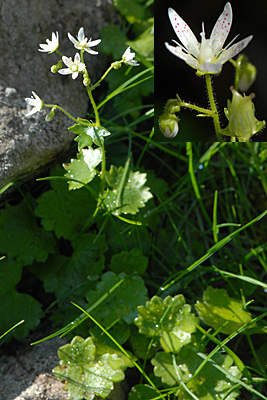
(213, 107)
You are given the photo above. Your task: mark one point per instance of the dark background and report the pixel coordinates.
(173, 75)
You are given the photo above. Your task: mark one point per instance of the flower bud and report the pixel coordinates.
(172, 106)
(86, 80)
(117, 64)
(50, 116)
(168, 124)
(54, 68)
(247, 73)
(240, 113)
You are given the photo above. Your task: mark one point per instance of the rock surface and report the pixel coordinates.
(27, 143)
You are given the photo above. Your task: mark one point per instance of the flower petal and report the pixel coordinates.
(67, 60)
(178, 52)
(210, 68)
(183, 32)
(94, 42)
(80, 34)
(90, 51)
(221, 29)
(72, 39)
(234, 50)
(65, 71)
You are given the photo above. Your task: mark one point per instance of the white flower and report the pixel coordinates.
(74, 67)
(128, 58)
(81, 43)
(208, 56)
(52, 45)
(36, 102)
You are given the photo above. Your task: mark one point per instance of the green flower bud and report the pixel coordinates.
(117, 64)
(86, 80)
(246, 73)
(168, 124)
(50, 116)
(240, 113)
(56, 67)
(172, 106)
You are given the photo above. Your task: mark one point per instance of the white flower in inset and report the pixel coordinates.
(36, 102)
(74, 67)
(128, 58)
(81, 43)
(208, 56)
(52, 45)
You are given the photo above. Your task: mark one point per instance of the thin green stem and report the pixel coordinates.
(89, 91)
(202, 110)
(215, 117)
(103, 77)
(61, 109)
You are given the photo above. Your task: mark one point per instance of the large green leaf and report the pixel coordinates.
(64, 211)
(83, 168)
(142, 392)
(17, 306)
(222, 311)
(21, 237)
(66, 276)
(209, 384)
(129, 262)
(113, 41)
(122, 302)
(171, 319)
(86, 373)
(88, 134)
(127, 190)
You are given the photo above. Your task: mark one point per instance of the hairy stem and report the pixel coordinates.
(213, 108)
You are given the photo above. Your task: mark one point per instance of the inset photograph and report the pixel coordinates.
(209, 71)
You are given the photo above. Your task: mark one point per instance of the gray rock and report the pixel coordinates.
(26, 143)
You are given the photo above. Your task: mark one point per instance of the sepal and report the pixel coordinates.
(240, 113)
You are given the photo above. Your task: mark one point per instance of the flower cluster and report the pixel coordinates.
(75, 66)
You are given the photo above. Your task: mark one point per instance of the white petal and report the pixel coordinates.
(81, 34)
(210, 68)
(65, 71)
(183, 32)
(90, 51)
(33, 111)
(221, 29)
(77, 58)
(75, 75)
(94, 42)
(178, 52)
(72, 39)
(67, 60)
(234, 50)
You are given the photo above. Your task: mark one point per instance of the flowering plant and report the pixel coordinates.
(207, 58)
(124, 197)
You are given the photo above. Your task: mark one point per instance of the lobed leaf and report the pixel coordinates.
(83, 168)
(171, 319)
(221, 311)
(209, 384)
(127, 191)
(87, 374)
(21, 237)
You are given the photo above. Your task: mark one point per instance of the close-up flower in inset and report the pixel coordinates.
(128, 58)
(82, 43)
(35, 102)
(51, 45)
(74, 67)
(208, 56)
